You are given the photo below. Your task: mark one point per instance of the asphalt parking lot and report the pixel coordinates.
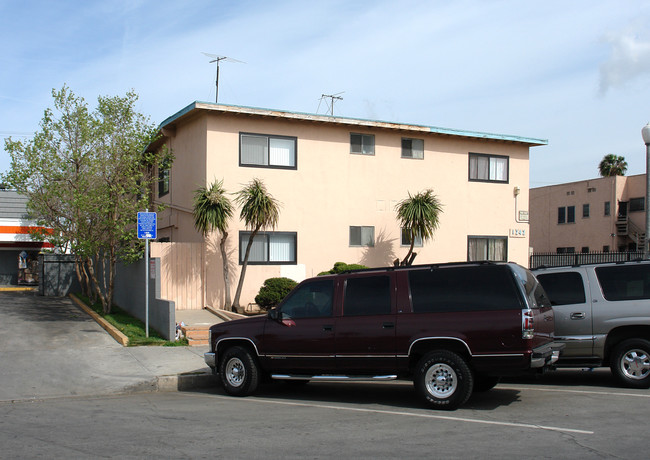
(570, 414)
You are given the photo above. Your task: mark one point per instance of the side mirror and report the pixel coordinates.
(274, 314)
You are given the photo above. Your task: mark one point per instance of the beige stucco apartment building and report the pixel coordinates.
(339, 180)
(603, 214)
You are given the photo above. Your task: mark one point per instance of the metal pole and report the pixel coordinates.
(647, 201)
(146, 284)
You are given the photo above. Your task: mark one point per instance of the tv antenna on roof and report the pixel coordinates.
(332, 98)
(218, 59)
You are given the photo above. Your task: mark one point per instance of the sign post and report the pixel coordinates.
(147, 230)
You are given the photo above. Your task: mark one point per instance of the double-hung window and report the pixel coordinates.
(488, 168)
(260, 150)
(362, 236)
(412, 148)
(269, 248)
(163, 178)
(362, 144)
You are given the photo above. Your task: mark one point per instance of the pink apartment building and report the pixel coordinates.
(604, 214)
(339, 180)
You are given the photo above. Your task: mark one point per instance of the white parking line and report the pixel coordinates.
(409, 414)
(559, 390)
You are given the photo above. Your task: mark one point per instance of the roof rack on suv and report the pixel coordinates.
(432, 266)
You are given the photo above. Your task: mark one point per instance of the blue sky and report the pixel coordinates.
(576, 73)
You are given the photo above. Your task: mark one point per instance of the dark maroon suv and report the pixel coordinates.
(451, 328)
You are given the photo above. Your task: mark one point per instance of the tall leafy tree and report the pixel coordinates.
(259, 211)
(612, 165)
(86, 174)
(419, 216)
(212, 211)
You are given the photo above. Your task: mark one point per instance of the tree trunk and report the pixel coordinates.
(97, 285)
(405, 262)
(226, 271)
(240, 284)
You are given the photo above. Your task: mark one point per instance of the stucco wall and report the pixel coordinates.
(332, 190)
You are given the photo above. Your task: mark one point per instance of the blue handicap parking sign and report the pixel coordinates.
(147, 226)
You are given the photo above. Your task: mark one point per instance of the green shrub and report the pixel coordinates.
(340, 267)
(273, 291)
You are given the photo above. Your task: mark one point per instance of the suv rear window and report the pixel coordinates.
(563, 288)
(463, 289)
(625, 282)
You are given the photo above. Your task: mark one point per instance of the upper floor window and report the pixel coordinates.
(269, 248)
(412, 148)
(488, 168)
(637, 204)
(566, 215)
(362, 236)
(607, 208)
(163, 177)
(363, 144)
(267, 151)
(585, 210)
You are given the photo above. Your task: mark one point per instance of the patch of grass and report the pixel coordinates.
(132, 327)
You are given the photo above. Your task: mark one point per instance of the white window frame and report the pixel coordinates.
(269, 247)
(405, 240)
(366, 236)
(279, 152)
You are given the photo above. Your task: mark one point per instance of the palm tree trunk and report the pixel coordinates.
(240, 284)
(226, 271)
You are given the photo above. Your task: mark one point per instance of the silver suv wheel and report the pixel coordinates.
(235, 372)
(630, 363)
(635, 364)
(441, 380)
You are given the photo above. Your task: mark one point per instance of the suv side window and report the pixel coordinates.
(629, 282)
(311, 300)
(463, 289)
(563, 288)
(368, 295)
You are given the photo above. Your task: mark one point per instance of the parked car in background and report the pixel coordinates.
(451, 328)
(602, 315)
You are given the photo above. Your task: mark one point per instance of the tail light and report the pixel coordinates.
(527, 324)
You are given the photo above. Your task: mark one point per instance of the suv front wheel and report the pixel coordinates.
(443, 379)
(631, 363)
(239, 372)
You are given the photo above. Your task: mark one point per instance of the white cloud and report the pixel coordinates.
(629, 60)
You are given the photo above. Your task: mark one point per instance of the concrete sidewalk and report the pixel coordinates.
(50, 348)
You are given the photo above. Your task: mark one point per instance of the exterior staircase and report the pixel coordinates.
(627, 228)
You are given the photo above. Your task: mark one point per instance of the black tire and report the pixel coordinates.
(484, 383)
(239, 372)
(443, 379)
(630, 363)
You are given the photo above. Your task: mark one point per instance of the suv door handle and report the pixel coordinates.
(328, 328)
(388, 325)
(578, 315)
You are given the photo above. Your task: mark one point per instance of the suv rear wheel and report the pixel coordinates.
(443, 379)
(631, 363)
(239, 372)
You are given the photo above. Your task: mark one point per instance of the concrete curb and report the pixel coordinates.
(112, 330)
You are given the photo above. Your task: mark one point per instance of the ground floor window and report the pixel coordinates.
(269, 248)
(493, 248)
(362, 236)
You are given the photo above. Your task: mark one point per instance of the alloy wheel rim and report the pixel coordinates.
(635, 364)
(441, 380)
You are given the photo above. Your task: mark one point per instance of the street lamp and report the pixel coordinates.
(645, 132)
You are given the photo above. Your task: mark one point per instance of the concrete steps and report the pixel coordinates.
(196, 335)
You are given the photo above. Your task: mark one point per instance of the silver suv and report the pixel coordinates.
(602, 314)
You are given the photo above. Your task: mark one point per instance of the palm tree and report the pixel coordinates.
(259, 210)
(612, 165)
(212, 210)
(419, 215)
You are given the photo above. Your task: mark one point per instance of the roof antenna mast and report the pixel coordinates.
(332, 98)
(218, 59)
